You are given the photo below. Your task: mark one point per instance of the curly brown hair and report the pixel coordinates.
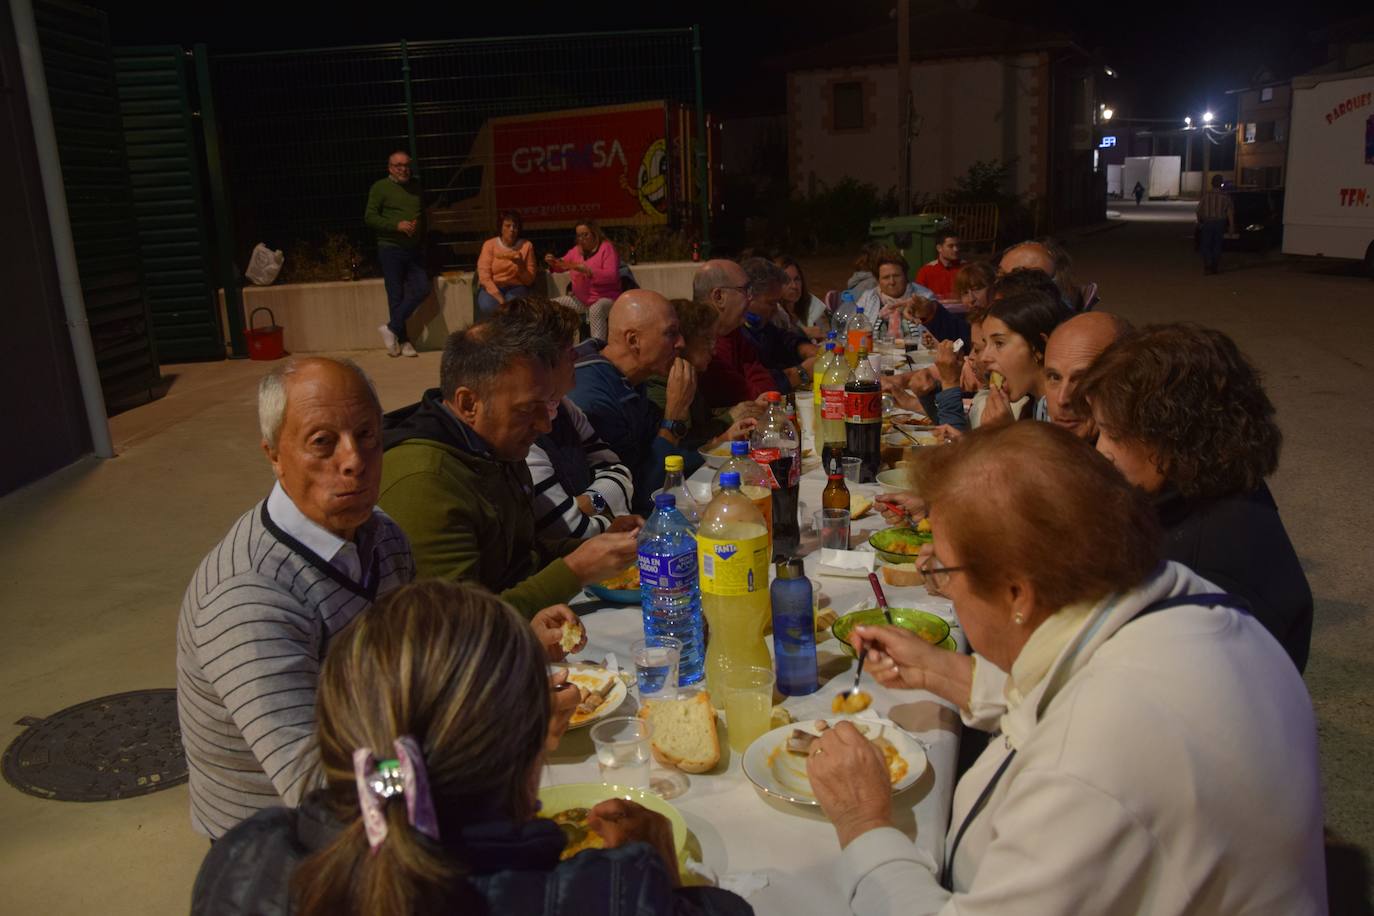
(695, 320)
(1187, 393)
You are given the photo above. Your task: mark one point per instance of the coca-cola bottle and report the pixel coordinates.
(863, 417)
(776, 446)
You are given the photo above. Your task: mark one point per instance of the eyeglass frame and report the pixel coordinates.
(930, 572)
(744, 290)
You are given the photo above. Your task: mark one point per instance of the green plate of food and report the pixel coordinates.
(901, 545)
(930, 627)
(568, 805)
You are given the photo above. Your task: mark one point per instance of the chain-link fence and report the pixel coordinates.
(306, 132)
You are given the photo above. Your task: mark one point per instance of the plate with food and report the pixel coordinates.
(568, 807)
(618, 589)
(776, 762)
(901, 544)
(600, 690)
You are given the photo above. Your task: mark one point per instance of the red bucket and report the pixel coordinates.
(265, 342)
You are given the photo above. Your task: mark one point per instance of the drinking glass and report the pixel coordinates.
(748, 704)
(853, 469)
(833, 527)
(623, 752)
(656, 660)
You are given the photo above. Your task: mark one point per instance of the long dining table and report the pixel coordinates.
(780, 854)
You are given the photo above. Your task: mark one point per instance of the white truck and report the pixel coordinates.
(1328, 208)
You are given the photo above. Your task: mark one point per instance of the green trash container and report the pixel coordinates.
(914, 236)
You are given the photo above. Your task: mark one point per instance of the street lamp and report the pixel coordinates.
(1107, 114)
(1187, 122)
(1206, 117)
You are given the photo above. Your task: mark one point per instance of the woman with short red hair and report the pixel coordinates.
(1158, 750)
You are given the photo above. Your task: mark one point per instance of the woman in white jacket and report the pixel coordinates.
(1157, 749)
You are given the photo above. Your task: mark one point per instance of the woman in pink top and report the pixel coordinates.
(505, 268)
(595, 272)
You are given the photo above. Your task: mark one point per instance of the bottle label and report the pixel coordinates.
(669, 572)
(832, 404)
(863, 406)
(764, 458)
(733, 566)
(859, 338)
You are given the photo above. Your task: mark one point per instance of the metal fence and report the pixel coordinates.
(306, 132)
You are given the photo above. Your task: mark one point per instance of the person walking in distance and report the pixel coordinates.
(1216, 216)
(1139, 192)
(395, 214)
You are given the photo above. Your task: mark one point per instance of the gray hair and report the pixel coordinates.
(272, 394)
(708, 279)
(763, 274)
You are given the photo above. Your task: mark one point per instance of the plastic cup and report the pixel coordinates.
(833, 527)
(806, 415)
(623, 753)
(853, 469)
(656, 666)
(748, 704)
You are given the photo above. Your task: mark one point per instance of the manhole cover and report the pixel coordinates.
(113, 747)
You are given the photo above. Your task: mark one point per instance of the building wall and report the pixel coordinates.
(1260, 163)
(966, 110)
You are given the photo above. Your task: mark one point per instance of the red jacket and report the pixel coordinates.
(938, 278)
(735, 374)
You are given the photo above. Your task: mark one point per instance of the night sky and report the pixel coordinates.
(1173, 58)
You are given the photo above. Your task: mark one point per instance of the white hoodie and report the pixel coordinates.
(1175, 771)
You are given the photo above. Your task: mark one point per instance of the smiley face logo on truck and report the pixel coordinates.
(651, 183)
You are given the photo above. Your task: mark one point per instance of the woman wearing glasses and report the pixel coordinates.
(1157, 748)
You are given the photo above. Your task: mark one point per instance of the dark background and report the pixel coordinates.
(1172, 58)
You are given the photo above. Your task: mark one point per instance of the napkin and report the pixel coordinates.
(854, 563)
(744, 883)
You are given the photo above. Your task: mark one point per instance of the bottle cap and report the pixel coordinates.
(730, 479)
(665, 501)
(791, 568)
(672, 463)
(846, 296)
(772, 396)
(830, 344)
(739, 447)
(859, 309)
(832, 335)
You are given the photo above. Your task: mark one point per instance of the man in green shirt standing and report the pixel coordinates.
(395, 213)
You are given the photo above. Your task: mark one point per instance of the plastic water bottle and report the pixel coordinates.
(794, 629)
(668, 585)
(843, 313)
(675, 484)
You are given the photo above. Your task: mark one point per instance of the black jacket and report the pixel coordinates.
(1239, 543)
(514, 867)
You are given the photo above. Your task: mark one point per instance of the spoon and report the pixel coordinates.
(887, 615)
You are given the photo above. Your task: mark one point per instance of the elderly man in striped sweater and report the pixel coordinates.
(291, 572)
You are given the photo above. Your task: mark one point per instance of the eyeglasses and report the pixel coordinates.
(742, 290)
(939, 575)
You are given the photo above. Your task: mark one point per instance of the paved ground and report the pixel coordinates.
(93, 560)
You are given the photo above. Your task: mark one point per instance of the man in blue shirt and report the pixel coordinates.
(787, 353)
(642, 340)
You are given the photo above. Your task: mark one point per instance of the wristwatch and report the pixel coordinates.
(598, 502)
(676, 427)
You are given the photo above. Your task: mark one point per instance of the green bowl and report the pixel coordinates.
(614, 595)
(553, 799)
(883, 541)
(930, 627)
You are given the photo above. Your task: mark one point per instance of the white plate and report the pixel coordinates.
(599, 675)
(780, 774)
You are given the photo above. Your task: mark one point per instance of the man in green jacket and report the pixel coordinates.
(454, 475)
(396, 214)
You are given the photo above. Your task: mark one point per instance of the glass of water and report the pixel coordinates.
(656, 660)
(622, 751)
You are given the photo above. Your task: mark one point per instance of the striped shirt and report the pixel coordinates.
(572, 459)
(1214, 205)
(252, 632)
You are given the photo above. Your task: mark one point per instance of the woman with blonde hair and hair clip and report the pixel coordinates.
(433, 721)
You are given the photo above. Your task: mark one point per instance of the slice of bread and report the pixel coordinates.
(684, 732)
(905, 574)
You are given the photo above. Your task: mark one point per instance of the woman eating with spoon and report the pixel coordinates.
(1157, 748)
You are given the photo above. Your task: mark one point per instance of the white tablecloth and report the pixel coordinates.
(737, 828)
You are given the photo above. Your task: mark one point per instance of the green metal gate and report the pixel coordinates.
(79, 67)
(173, 231)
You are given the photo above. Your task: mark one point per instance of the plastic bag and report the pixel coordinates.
(265, 265)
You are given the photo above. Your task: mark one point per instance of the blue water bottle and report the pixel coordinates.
(794, 629)
(668, 585)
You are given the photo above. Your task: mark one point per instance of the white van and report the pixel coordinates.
(1329, 195)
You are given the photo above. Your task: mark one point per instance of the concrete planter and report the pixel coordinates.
(344, 315)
